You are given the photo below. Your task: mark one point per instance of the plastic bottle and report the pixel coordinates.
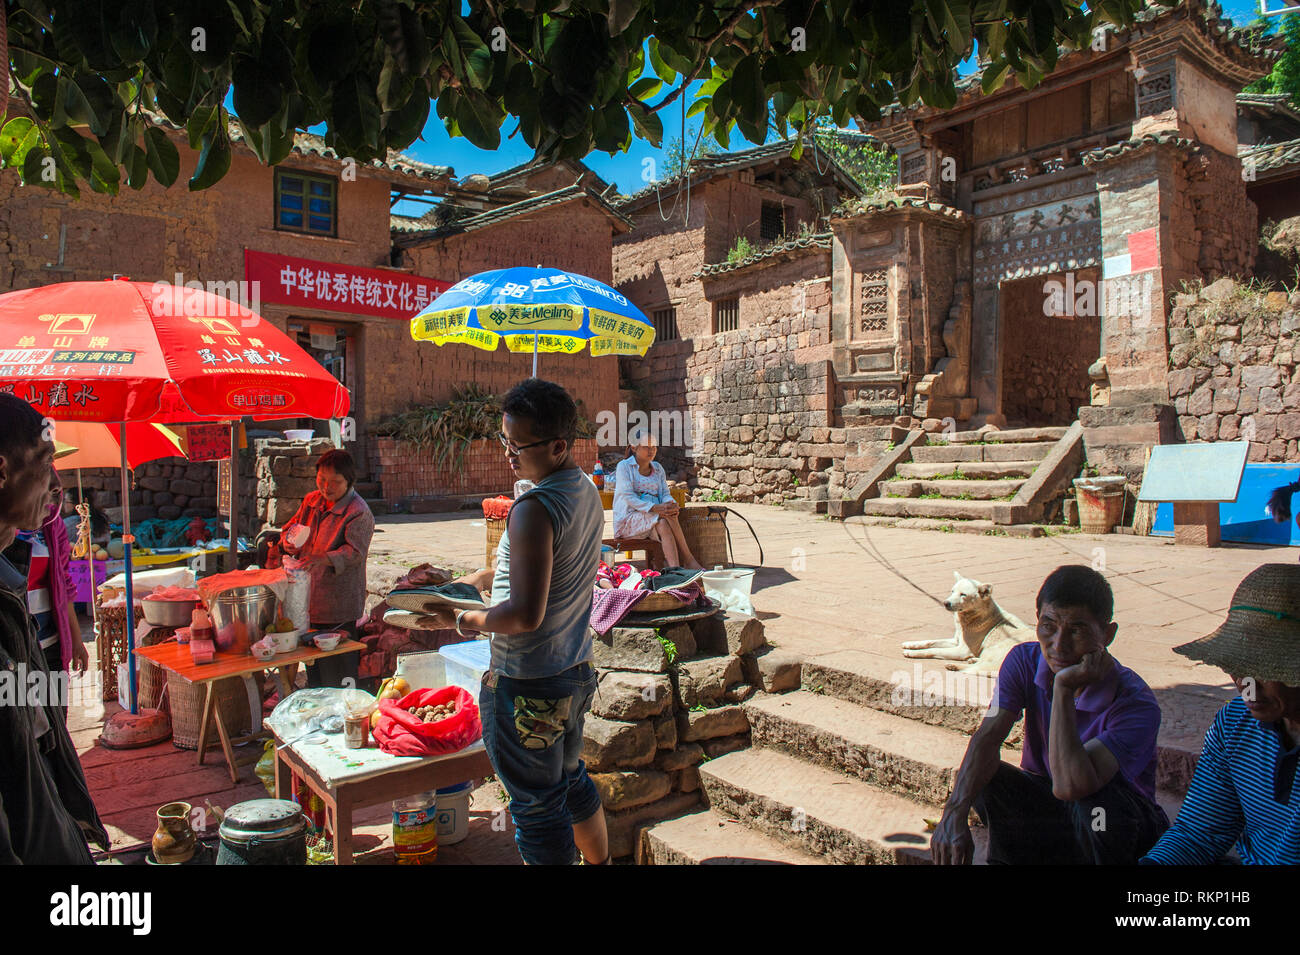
(598, 477)
(415, 829)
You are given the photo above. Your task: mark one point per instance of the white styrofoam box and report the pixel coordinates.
(466, 663)
(423, 669)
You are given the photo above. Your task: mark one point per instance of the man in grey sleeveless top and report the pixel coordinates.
(541, 682)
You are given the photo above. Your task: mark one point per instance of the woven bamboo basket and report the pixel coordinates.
(110, 642)
(705, 528)
(656, 603)
(153, 677)
(186, 700)
(496, 527)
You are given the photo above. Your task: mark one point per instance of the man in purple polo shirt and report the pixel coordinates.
(1085, 792)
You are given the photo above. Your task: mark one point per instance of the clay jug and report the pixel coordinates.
(174, 841)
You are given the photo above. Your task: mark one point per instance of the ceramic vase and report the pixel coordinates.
(174, 841)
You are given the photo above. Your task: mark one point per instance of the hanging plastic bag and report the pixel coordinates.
(297, 595)
(265, 769)
(402, 733)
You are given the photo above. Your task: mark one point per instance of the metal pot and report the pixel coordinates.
(263, 832)
(168, 613)
(241, 616)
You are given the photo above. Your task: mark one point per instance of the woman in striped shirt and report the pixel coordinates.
(1245, 789)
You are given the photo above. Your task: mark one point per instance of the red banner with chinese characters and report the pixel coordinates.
(286, 280)
(207, 442)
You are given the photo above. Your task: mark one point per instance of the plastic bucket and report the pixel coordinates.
(453, 813)
(299, 434)
(731, 588)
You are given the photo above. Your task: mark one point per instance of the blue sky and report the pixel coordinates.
(625, 169)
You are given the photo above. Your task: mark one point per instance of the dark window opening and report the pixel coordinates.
(306, 203)
(665, 323)
(726, 315)
(772, 224)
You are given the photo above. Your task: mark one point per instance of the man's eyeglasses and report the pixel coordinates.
(512, 450)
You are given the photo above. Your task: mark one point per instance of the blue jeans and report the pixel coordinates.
(532, 730)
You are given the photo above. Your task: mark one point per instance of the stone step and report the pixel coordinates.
(970, 470)
(816, 810)
(929, 507)
(924, 691)
(709, 838)
(1008, 436)
(805, 506)
(952, 488)
(958, 527)
(913, 759)
(940, 453)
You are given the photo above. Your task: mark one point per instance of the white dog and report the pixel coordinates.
(983, 632)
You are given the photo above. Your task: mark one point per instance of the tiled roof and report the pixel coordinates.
(706, 167)
(789, 244)
(884, 201)
(599, 184)
(1270, 157)
(310, 144)
(1238, 43)
(1130, 145)
(523, 207)
(407, 223)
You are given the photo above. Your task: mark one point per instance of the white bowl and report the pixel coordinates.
(262, 652)
(284, 642)
(328, 641)
(300, 434)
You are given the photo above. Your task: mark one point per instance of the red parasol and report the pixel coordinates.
(135, 351)
(122, 351)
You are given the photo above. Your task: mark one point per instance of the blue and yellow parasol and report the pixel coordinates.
(537, 310)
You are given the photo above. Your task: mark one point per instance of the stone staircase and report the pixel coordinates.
(968, 480)
(844, 770)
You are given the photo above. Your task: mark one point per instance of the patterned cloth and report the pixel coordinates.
(608, 607)
(1245, 790)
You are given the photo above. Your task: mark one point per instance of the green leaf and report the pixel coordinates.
(995, 74)
(648, 125)
(477, 56)
(104, 173)
(16, 138)
(646, 87)
(356, 118)
(137, 166)
(200, 124)
(478, 121)
(405, 125)
(161, 155)
(662, 69)
(214, 161)
(257, 94)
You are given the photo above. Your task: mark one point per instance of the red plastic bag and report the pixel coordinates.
(400, 733)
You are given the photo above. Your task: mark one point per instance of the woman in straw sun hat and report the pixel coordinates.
(1245, 789)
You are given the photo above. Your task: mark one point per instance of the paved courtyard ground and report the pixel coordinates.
(824, 587)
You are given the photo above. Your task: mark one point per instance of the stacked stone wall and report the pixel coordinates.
(667, 700)
(1232, 363)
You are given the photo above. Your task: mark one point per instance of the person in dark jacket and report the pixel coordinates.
(46, 812)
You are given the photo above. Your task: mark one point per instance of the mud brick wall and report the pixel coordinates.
(760, 398)
(408, 472)
(1046, 357)
(1232, 360)
(1227, 226)
(658, 713)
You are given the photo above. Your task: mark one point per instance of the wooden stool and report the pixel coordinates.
(653, 550)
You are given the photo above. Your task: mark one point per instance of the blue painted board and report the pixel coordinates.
(1194, 472)
(1244, 520)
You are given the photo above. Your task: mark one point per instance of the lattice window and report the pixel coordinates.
(1155, 91)
(772, 224)
(665, 323)
(875, 301)
(726, 315)
(306, 203)
(914, 168)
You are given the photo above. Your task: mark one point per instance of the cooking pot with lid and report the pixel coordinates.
(263, 832)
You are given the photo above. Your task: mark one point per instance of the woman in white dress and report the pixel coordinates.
(643, 505)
